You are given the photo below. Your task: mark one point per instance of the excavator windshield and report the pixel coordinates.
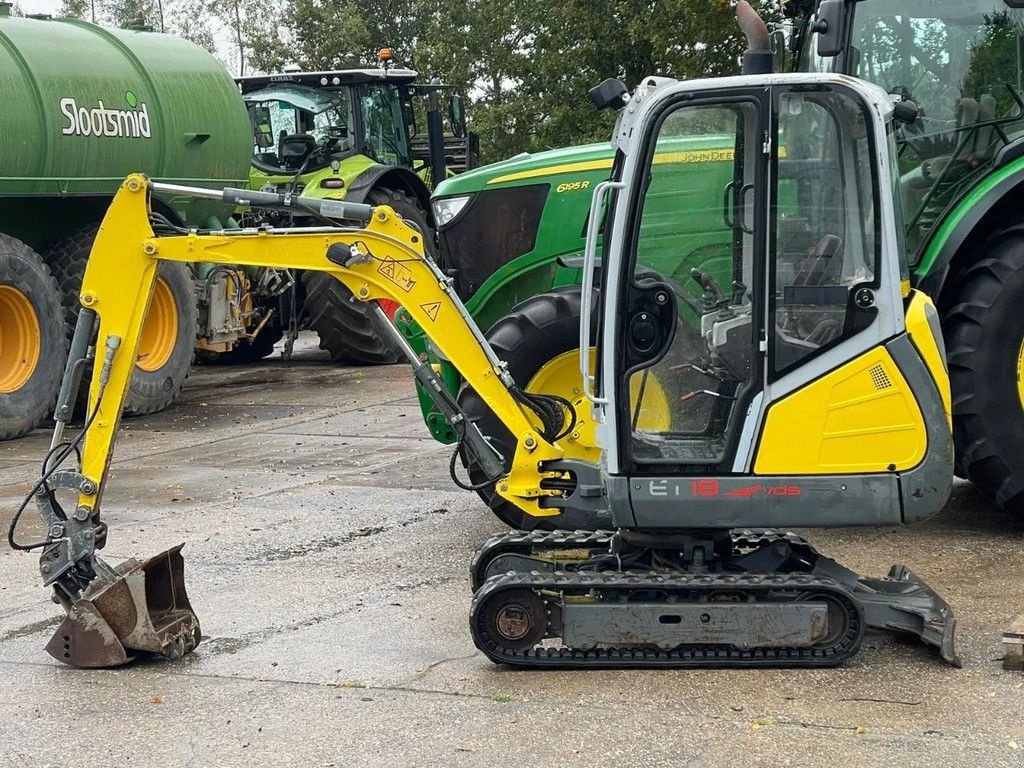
(962, 63)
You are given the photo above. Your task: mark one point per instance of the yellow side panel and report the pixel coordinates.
(860, 418)
(920, 331)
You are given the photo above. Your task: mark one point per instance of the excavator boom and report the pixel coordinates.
(143, 607)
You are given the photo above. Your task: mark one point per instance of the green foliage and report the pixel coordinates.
(116, 13)
(79, 9)
(994, 63)
(190, 19)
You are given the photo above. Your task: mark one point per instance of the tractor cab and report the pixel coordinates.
(328, 128)
(960, 62)
(295, 127)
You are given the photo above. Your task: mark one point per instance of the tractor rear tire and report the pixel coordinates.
(534, 333)
(169, 335)
(350, 332)
(984, 332)
(33, 342)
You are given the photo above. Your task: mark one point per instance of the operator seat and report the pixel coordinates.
(295, 148)
(823, 265)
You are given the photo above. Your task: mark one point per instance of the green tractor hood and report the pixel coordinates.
(528, 167)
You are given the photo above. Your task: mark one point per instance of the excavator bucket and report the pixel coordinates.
(140, 608)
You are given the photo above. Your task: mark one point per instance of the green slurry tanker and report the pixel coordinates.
(512, 234)
(83, 107)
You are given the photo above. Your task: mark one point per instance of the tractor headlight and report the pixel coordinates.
(447, 208)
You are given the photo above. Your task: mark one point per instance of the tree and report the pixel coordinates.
(529, 64)
(192, 19)
(79, 9)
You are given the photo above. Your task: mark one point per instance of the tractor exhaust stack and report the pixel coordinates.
(757, 59)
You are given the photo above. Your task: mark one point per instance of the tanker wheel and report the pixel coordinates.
(539, 340)
(33, 343)
(168, 335)
(984, 332)
(349, 330)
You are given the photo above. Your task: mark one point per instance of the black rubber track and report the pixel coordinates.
(983, 329)
(26, 407)
(615, 587)
(150, 391)
(349, 330)
(533, 333)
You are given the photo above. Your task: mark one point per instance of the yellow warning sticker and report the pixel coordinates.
(431, 309)
(397, 273)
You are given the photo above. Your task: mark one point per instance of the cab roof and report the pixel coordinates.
(327, 78)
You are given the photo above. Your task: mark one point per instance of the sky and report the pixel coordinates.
(40, 6)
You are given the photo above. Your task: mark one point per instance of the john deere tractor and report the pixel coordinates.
(512, 233)
(358, 136)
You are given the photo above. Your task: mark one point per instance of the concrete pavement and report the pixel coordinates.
(327, 555)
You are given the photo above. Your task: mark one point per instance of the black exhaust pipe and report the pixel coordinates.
(757, 59)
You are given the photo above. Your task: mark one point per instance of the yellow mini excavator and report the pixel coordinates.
(807, 389)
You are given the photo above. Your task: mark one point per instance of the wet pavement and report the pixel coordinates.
(327, 555)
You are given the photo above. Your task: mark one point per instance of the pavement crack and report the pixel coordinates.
(31, 629)
(441, 662)
(319, 545)
(883, 701)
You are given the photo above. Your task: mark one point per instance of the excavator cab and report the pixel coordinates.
(806, 386)
(796, 396)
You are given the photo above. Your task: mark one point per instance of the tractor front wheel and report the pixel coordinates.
(984, 332)
(33, 344)
(539, 340)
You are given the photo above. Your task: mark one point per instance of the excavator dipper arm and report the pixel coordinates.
(113, 613)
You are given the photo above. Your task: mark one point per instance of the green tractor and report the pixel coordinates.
(512, 233)
(352, 135)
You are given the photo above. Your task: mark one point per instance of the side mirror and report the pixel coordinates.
(457, 115)
(778, 39)
(262, 132)
(831, 28)
(409, 114)
(905, 112)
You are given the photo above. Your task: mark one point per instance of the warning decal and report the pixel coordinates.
(397, 273)
(431, 309)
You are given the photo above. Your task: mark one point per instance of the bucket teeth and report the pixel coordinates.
(137, 608)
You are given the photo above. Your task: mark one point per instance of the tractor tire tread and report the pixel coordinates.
(972, 323)
(23, 410)
(147, 392)
(532, 333)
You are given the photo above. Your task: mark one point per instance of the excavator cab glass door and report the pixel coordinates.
(699, 207)
(751, 250)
